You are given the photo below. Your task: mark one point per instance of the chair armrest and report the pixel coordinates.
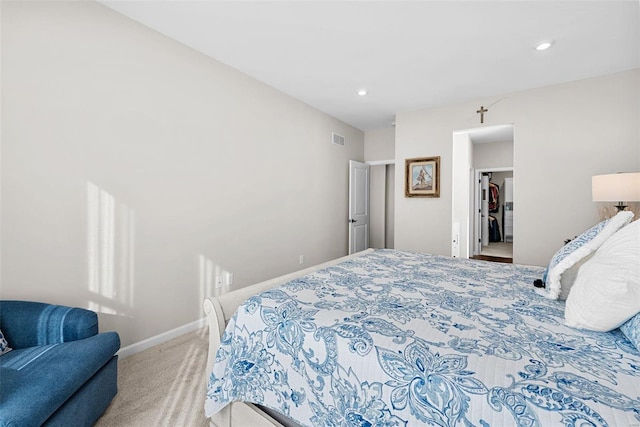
(28, 324)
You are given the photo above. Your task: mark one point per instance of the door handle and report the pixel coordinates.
(353, 220)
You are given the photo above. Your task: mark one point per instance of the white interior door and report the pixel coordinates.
(477, 214)
(485, 210)
(358, 206)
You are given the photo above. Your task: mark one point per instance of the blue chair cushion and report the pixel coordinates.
(36, 381)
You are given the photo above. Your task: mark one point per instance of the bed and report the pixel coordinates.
(393, 338)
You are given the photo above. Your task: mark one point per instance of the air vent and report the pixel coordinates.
(337, 139)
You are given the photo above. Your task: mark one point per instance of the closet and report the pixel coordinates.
(492, 211)
(495, 214)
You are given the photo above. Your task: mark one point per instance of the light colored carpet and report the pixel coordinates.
(499, 249)
(162, 386)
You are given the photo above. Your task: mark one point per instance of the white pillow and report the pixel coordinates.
(606, 292)
(560, 275)
(4, 345)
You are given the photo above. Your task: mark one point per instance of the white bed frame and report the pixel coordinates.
(219, 310)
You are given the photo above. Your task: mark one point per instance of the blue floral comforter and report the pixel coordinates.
(403, 339)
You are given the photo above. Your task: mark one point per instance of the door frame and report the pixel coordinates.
(462, 184)
(369, 163)
(477, 199)
(379, 219)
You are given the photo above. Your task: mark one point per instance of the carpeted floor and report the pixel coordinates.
(162, 386)
(498, 249)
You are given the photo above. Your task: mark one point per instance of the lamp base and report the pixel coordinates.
(620, 206)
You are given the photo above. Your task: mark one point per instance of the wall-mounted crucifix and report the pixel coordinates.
(482, 110)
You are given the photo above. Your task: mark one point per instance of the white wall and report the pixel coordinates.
(493, 155)
(461, 201)
(379, 144)
(563, 135)
(135, 170)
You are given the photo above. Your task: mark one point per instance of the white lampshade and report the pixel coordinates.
(617, 187)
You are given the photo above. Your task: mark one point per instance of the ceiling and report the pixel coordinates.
(407, 55)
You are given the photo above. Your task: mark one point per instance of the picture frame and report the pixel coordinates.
(422, 177)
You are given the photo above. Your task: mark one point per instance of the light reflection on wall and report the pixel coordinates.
(110, 250)
(208, 271)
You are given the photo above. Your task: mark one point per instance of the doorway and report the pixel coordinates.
(382, 204)
(488, 150)
(493, 215)
(371, 205)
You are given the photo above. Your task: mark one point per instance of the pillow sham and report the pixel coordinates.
(4, 345)
(558, 284)
(631, 330)
(606, 292)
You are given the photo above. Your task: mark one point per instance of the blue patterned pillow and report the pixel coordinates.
(631, 330)
(4, 345)
(576, 251)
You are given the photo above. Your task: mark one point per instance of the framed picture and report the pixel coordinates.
(422, 177)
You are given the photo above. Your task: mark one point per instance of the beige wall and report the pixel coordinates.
(379, 144)
(493, 155)
(563, 135)
(136, 170)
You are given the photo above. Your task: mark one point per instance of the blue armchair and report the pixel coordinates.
(60, 371)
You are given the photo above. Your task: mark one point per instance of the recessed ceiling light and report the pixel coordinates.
(362, 92)
(544, 45)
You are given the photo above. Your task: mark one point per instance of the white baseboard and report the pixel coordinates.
(161, 338)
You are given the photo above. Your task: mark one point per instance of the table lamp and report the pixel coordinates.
(617, 187)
